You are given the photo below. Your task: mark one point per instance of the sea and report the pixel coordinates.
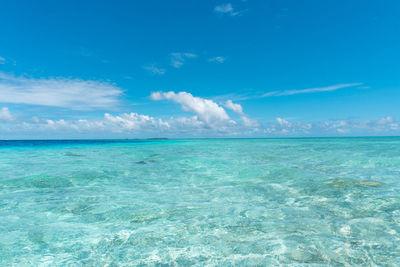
(200, 202)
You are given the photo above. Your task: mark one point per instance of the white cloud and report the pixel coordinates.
(139, 125)
(385, 120)
(134, 122)
(210, 119)
(237, 108)
(310, 90)
(207, 110)
(341, 126)
(58, 92)
(234, 107)
(285, 127)
(2, 60)
(178, 59)
(249, 122)
(153, 69)
(386, 125)
(226, 9)
(5, 115)
(283, 122)
(126, 122)
(249, 95)
(217, 59)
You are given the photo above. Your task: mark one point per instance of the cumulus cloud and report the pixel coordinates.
(209, 119)
(5, 115)
(385, 120)
(345, 127)
(126, 122)
(153, 69)
(383, 125)
(284, 127)
(226, 9)
(341, 126)
(237, 108)
(217, 59)
(135, 122)
(178, 59)
(207, 110)
(388, 122)
(234, 107)
(132, 123)
(139, 125)
(74, 94)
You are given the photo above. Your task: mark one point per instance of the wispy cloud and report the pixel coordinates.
(178, 58)
(153, 69)
(68, 93)
(217, 59)
(226, 9)
(254, 95)
(309, 90)
(2, 60)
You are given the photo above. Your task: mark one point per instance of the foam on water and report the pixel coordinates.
(300, 202)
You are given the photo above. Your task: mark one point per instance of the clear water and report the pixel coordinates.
(265, 202)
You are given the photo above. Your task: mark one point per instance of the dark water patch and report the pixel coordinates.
(81, 209)
(343, 183)
(41, 143)
(50, 182)
(37, 237)
(143, 162)
(39, 182)
(389, 205)
(94, 218)
(146, 218)
(306, 255)
(69, 154)
(83, 177)
(122, 214)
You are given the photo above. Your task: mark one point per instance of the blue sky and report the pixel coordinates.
(126, 69)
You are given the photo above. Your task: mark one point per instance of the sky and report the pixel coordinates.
(197, 68)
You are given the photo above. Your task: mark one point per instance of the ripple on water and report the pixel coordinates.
(313, 202)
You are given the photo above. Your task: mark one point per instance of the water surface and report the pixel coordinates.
(225, 202)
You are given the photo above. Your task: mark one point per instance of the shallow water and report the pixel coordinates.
(225, 202)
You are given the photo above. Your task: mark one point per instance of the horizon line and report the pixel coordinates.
(201, 138)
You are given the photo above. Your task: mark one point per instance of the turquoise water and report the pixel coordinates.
(232, 202)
